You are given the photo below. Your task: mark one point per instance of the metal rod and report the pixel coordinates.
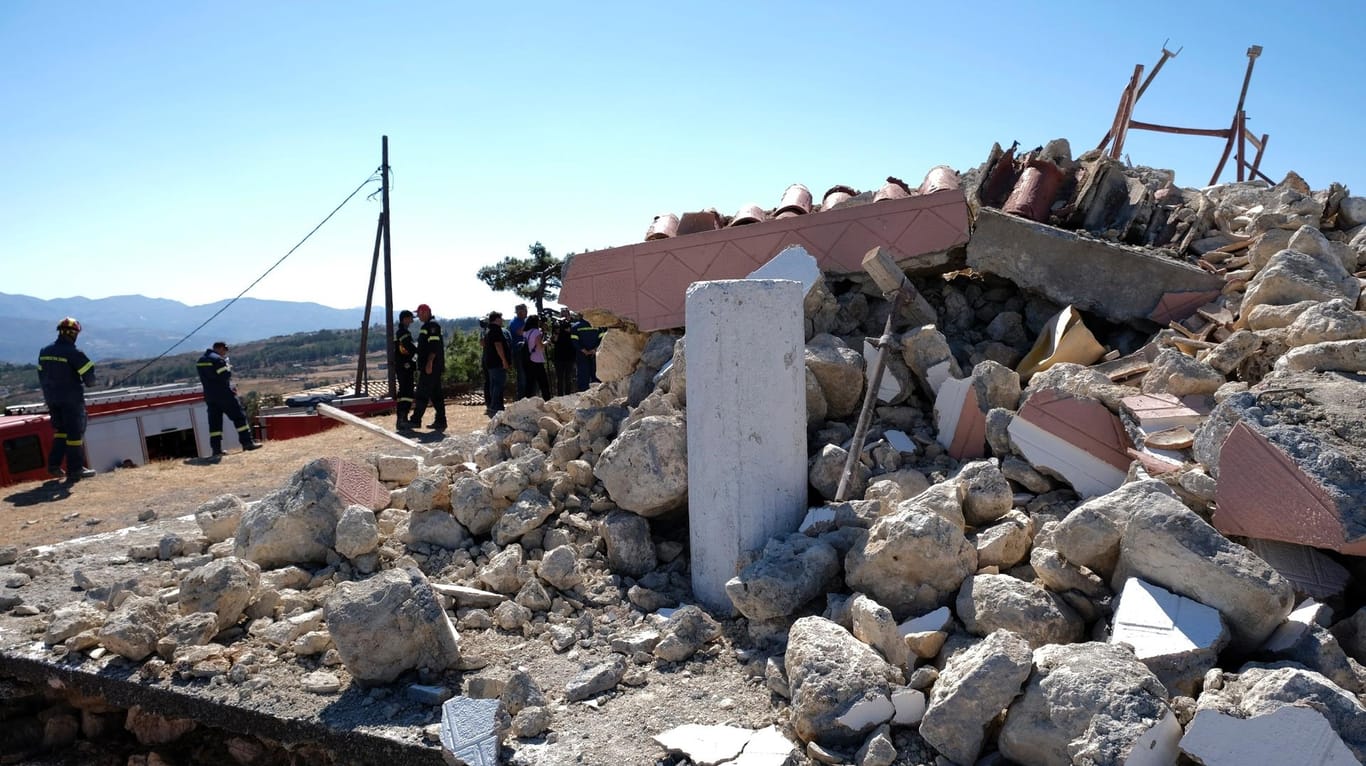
(369, 299)
(1212, 132)
(869, 401)
(1166, 54)
(1228, 147)
(1242, 144)
(1257, 160)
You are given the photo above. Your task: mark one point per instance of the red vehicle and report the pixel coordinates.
(134, 426)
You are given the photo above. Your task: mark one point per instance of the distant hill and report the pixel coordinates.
(135, 327)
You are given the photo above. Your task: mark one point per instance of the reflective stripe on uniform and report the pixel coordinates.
(243, 429)
(74, 442)
(87, 368)
(215, 433)
(59, 436)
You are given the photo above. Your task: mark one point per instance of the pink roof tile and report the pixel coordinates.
(1083, 423)
(646, 282)
(1262, 493)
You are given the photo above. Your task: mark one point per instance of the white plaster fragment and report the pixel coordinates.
(1159, 623)
(1291, 734)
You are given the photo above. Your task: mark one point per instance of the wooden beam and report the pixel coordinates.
(1212, 132)
(349, 419)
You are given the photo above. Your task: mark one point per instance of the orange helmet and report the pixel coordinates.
(69, 326)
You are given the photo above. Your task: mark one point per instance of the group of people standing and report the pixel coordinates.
(420, 363)
(568, 342)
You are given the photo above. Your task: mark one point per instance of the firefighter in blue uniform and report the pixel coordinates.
(586, 339)
(431, 363)
(405, 363)
(221, 397)
(64, 372)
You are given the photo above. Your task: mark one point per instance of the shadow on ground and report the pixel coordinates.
(46, 492)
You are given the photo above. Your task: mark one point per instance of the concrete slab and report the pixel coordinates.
(1159, 623)
(747, 474)
(792, 263)
(646, 282)
(1117, 282)
(469, 731)
(1309, 570)
(1077, 439)
(1291, 734)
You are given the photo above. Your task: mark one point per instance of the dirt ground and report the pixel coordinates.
(39, 513)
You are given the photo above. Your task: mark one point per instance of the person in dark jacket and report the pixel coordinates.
(64, 372)
(220, 395)
(562, 351)
(431, 363)
(586, 339)
(497, 359)
(405, 364)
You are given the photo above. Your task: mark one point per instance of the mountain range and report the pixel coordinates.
(137, 327)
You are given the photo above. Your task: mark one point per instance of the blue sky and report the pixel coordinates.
(178, 149)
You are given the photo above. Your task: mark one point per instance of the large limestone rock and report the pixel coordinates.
(988, 603)
(1257, 690)
(974, 687)
(791, 571)
(1090, 535)
(295, 524)
(224, 587)
(645, 469)
(133, 629)
(1084, 703)
(1167, 544)
(830, 675)
(839, 370)
(529, 512)
(619, 352)
(472, 503)
(390, 623)
(630, 550)
(911, 562)
(357, 532)
(1323, 322)
(1291, 276)
(1179, 375)
(218, 518)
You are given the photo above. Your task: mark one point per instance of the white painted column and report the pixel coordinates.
(747, 475)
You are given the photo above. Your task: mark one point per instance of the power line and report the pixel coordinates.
(374, 176)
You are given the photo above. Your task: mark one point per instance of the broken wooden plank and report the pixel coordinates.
(348, 418)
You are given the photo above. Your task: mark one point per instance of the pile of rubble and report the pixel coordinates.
(1079, 531)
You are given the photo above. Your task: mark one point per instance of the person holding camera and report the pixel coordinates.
(497, 360)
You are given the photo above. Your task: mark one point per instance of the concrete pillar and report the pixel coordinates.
(746, 424)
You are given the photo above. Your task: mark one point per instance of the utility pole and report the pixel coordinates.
(388, 273)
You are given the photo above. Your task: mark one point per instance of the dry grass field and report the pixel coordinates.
(36, 513)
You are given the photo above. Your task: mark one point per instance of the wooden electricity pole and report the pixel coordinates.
(382, 243)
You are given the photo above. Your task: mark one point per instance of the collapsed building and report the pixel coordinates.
(1106, 507)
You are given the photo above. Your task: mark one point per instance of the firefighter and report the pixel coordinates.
(405, 357)
(220, 395)
(431, 363)
(64, 372)
(586, 339)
